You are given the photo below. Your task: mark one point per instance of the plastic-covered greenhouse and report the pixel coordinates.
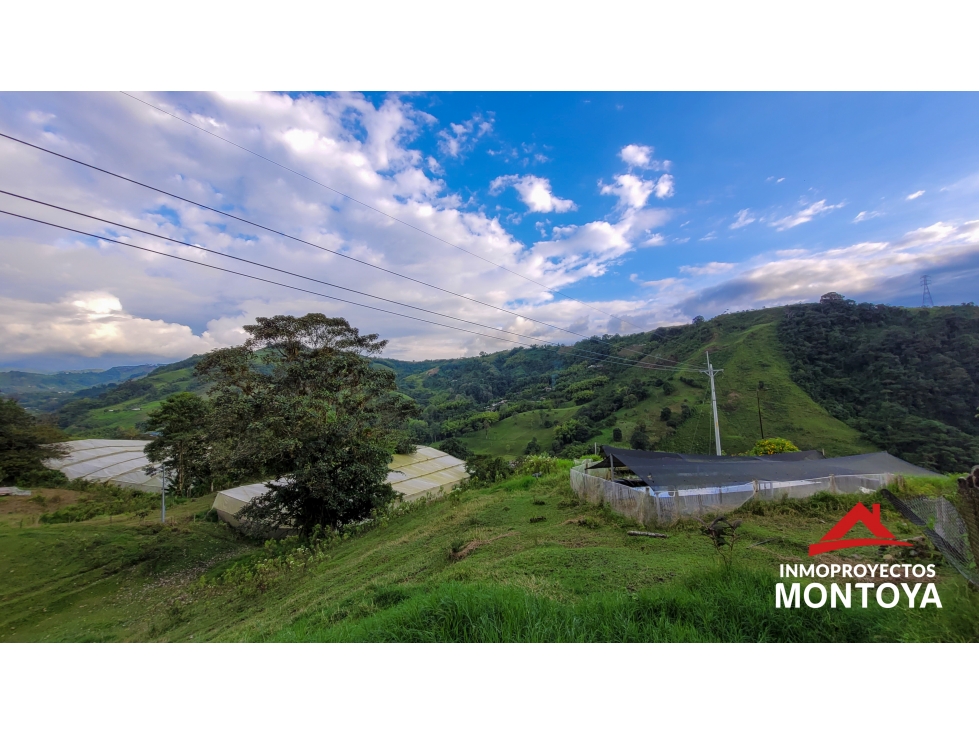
(427, 471)
(658, 487)
(118, 462)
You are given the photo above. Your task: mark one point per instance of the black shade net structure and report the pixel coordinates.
(942, 524)
(656, 487)
(658, 469)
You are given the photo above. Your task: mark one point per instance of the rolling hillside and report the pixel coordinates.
(842, 377)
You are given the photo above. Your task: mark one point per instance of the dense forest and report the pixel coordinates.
(908, 379)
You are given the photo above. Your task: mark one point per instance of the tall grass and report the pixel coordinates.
(715, 606)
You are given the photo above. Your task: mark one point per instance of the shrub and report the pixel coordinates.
(616, 434)
(768, 446)
(665, 414)
(539, 464)
(533, 447)
(668, 388)
(488, 468)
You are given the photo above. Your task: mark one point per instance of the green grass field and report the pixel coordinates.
(469, 566)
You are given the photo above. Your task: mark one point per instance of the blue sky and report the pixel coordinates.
(652, 206)
(771, 154)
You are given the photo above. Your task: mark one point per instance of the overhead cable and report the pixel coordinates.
(602, 357)
(372, 208)
(302, 241)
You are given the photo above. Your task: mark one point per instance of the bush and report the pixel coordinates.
(533, 447)
(665, 414)
(539, 464)
(668, 388)
(616, 434)
(488, 468)
(769, 446)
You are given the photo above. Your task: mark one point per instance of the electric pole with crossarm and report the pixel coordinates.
(710, 371)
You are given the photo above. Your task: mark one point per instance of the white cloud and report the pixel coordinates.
(461, 137)
(535, 192)
(743, 220)
(709, 236)
(346, 141)
(864, 216)
(714, 268)
(805, 215)
(664, 187)
(641, 156)
(876, 271)
(632, 191)
(915, 195)
(93, 324)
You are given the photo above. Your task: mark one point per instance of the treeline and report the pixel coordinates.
(907, 379)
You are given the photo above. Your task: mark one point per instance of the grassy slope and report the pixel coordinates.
(124, 414)
(576, 575)
(745, 346)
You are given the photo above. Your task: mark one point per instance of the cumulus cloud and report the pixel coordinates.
(347, 142)
(805, 215)
(461, 137)
(93, 324)
(534, 192)
(641, 156)
(632, 191)
(743, 219)
(915, 195)
(664, 187)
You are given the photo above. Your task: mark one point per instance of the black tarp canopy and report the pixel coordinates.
(664, 469)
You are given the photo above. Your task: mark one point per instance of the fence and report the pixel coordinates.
(661, 506)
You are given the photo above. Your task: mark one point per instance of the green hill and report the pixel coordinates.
(117, 412)
(838, 376)
(45, 392)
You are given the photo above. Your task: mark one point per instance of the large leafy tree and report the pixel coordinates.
(182, 444)
(24, 442)
(300, 404)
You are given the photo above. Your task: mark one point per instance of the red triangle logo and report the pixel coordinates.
(833, 540)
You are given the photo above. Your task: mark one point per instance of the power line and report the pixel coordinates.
(602, 357)
(297, 239)
(297, 275)
(368, 206)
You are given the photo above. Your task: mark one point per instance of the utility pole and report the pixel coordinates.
(163, 496)
(761, 426)
(713, 401)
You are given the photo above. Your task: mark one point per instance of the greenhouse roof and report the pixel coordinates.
(116, 461)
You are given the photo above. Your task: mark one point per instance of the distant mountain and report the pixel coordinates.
(21, 382)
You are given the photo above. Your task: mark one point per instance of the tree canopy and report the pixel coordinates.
(300, 404)
(24, 443)
(906, 378)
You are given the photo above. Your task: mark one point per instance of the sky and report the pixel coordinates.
(641, 209)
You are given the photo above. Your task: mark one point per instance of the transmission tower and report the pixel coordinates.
(926, 301)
